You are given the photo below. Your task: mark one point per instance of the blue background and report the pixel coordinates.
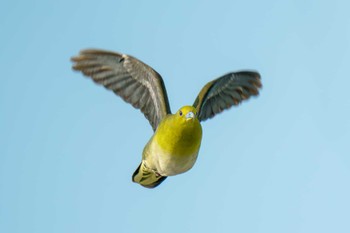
(277, 163)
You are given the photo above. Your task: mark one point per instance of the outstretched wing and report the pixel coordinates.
(129, 78)
(222, 93)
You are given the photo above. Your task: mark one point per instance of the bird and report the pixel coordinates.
(174, 146)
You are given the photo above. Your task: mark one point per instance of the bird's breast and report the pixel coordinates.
(174, 147)
(179, 139)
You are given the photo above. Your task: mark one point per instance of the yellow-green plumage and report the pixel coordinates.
(179, 135)
(174, 146)
(172, 150)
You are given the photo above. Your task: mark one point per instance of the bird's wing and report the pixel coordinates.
(128, 77)
(222, 93)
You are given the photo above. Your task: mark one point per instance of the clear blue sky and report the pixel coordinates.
(277, 163)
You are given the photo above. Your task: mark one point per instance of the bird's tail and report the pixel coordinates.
(146, 177)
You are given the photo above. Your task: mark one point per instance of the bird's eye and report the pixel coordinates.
(180, 113)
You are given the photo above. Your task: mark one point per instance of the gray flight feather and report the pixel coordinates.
(129, 78)
(226, 91)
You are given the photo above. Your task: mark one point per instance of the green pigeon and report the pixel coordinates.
(174, 146)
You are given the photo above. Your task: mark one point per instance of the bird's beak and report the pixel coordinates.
(189, 116)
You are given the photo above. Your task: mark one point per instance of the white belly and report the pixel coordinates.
(167, 164)
(170, 165)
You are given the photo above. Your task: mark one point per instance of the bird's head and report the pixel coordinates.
(187, 114)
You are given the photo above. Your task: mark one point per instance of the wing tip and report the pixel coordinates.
(249, 85)
(91, 53)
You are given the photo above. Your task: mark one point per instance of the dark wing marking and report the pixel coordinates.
(222, 93)
(129, 78)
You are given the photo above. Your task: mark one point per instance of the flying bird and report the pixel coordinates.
(174, 146)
